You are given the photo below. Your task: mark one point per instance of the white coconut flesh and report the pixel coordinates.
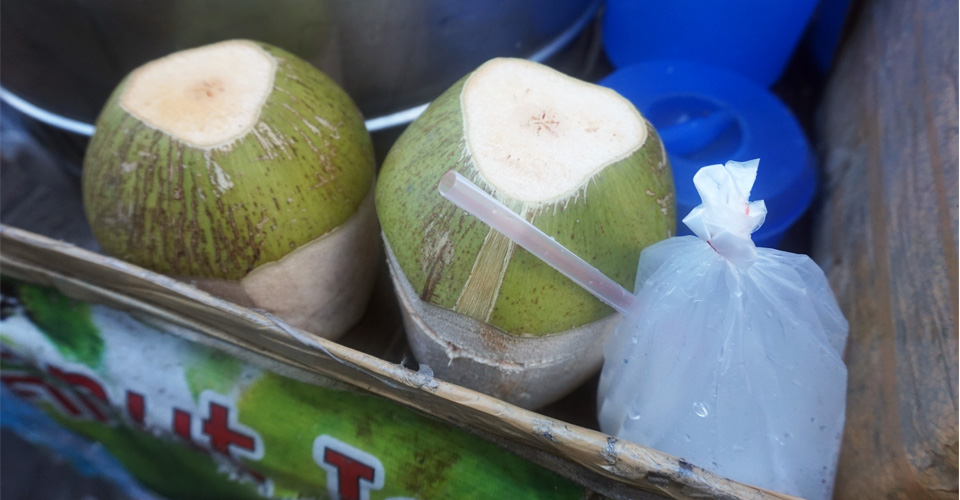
(203, 97)
(537, 135)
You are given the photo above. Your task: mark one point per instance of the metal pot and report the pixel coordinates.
(62, 58)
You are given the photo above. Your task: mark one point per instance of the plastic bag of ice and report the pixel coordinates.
(734, 361)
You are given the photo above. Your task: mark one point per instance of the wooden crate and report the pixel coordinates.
(887, 238)
(599, 462)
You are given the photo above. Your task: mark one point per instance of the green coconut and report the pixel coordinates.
(575, 159)
(246, 171)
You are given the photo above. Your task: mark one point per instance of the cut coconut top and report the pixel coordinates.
(205, 96)
(537, 135)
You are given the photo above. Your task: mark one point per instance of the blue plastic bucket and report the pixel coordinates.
(754, 38)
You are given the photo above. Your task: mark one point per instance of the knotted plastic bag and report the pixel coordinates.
(733, 361)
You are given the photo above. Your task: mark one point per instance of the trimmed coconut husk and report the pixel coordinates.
(523, 370)
(322, 287)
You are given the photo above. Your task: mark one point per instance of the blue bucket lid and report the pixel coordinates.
(707, 115)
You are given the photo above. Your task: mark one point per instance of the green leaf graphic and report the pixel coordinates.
(66, 322)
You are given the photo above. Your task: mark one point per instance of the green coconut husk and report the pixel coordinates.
(243, 169)
(575, 159)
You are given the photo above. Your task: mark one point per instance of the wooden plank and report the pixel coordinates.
(888, 242)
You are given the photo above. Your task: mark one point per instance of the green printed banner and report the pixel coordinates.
(189, 421)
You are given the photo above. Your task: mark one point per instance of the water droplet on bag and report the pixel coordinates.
(700, 409)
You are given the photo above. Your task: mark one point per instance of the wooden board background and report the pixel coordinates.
(887, 238)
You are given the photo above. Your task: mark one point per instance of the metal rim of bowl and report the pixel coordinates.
(375, 124)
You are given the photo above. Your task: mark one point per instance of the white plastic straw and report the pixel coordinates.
(481, 205)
